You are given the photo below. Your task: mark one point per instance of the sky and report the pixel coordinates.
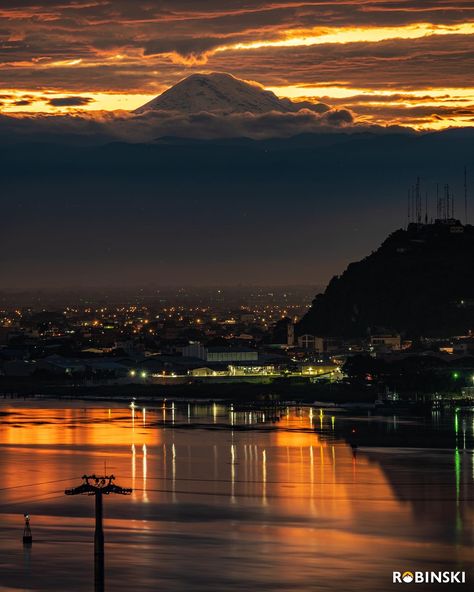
(210, 213)
(94, 194)
(389, 62)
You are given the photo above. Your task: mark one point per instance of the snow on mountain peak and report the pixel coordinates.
(221, 93)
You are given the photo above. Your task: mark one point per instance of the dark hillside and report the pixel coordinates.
(419, 282)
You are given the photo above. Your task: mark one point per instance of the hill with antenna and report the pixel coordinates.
(418, 283)
(418, 205)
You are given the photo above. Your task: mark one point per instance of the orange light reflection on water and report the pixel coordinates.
(288, 493)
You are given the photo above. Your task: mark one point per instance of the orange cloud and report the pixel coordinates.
(112, 51)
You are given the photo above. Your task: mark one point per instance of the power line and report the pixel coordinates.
(268, 482)
(35, 484)
(319, 497)
(33, 500)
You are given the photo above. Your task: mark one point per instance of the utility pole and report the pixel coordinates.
(98, 486)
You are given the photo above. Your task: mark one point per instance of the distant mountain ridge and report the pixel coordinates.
(418, 283)
(222, 93)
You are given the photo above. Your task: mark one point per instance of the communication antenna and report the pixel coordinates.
(438, 205)
(466, 220)
(408, 206)
(446, 204)
(418, 201)
(445, 201)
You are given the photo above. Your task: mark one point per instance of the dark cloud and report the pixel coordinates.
(185, 47)
(399, 64)
(123, 126)
(409, 109)
(339, 117)
(70, 101)
(82, 29)
(412, 113)
(260, 10)
(22, 103)
(435, 61)
(360, 99)
(428, 62)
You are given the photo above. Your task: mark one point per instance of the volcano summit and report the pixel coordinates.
(224, 94)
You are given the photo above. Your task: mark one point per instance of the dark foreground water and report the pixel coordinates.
(233, 501)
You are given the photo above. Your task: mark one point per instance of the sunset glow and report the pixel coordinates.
(33, 101)
(389, 64)
(354, 35)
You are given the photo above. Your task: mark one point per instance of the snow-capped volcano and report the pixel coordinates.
(222, 93)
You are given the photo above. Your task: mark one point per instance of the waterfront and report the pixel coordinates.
(231, 500)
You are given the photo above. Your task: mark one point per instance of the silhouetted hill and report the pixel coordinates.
(348, 153)
(419, 282)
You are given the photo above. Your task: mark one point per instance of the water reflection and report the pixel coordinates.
(173, 471)
(232, 473)
(233, 499)
(134, 466)
(144, 485)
